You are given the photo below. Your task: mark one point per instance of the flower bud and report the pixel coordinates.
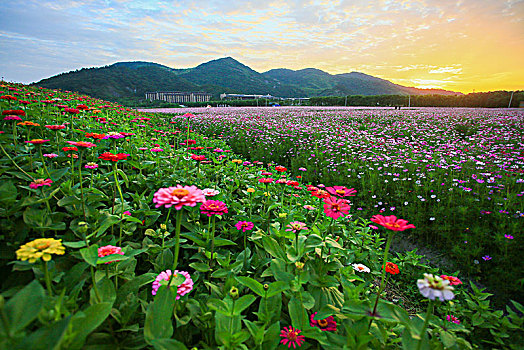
(299, 265)
(233, 292)
(266, 286)
(163, 226)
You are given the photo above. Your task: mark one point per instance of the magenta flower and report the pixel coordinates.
(183, 289)
(178, 196)
(244, 226)
(341, 191)
(291, 336)
(91, 165)
(335, 207)
(327, 324)
(40, 182)
(211, 207)
(50, 155)
(451, 318)
(391, 222)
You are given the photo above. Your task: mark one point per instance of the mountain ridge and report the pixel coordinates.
(131, 79)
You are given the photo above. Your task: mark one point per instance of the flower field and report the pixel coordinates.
(255, 228)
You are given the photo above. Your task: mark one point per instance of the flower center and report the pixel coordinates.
(39, 181)
(360, 268)
(322, 323)
(296, 226)
(392, 225)
(42, 246)
(335, 207)
(292, 335)
(180, 193)
(341, 192)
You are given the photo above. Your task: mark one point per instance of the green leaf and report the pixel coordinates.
(46, 338)
(447, 339)
(298, 314)
(108, 221)
(277, 287)
(106, 289)
(167, 344)
(58, 174)
(243, 303)
(124, 176)
(252, 284)
(111, 258)
(23, 308)
(8, 192)
(83, 323)
(158, 322)
(219, 306)
(200, 267)
(314, 241)
(79, 244)
(90, 255)
(272, 247)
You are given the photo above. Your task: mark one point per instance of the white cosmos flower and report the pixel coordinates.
(433, 287)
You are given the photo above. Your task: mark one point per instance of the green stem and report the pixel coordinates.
(211, 264)
(425, 326)
(167, 219)
(43, 161)
(382, 286)
(122, 203)
(47, 279)
(81, 184)
(95, 288)
(177, 238)
(16, 165)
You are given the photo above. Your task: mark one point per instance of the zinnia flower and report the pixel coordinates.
(91, 165)
(50, 155)
(335, 207)
(391, 268)
(113, 157)
(391, 222)
(291, 336)
(55, 127)
(453, 281)
(244, 226)
(182, 289)
(198, 157)
(211, 207)
(433, 287)
(40, 182)
(82, 144)
(320, 193)
(209, 192)
(108, 250)
(36, 141)
(341, 191)
(296, 226)
(266, 180)
(451, 318)
(40, 248)
(327, 324)
(280, 168)
(361, 268)
(178, 196)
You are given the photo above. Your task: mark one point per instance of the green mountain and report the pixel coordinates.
(127, 82)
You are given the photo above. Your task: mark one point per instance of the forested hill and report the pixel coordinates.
(126, 82)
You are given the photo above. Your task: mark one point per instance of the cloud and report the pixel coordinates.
(440, 70)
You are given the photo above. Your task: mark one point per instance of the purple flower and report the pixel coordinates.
(486, 257)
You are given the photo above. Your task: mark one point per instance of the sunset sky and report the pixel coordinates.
(462, 45)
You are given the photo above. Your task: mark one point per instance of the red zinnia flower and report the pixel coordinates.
(290, 337)
(211, 207)
(198, 157)
(453, 281)
(320, 194)
(72, 110)
(335, 207)
(55, 127)
(65, 149)
(82, 107)
(391, 268)
(341, 191)
(280, 168)
(391, 222)
(14, 112)
(266, 180)
(327, 324)
(113, 157)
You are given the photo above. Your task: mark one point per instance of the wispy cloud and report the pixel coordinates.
(409, 41)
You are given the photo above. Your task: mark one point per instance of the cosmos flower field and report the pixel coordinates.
(256, 228)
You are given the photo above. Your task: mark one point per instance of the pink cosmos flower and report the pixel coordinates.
(183, 289)
(291, 336)
(341, 191)
(335, 207)
(211, 207)
(108, 250)
(178, 196)
(391, 222)
(244, 226)
(40, 183)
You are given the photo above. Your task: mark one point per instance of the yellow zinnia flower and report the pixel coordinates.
(238, 161)
(40, 248)
(250, 190)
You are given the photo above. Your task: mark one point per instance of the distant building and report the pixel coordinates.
(245, 97)
(178, 97)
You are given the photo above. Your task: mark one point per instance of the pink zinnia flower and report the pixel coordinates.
(266, 180)
(12, 117)
(91, 165)
(391, 222)
(290, 337)
(81, 144)
(50, 155)
(178, 196)
(211, 207)
(182, 289)
(335, 207)
(341, 191)
(244, 226)
(36, 141)
(40, 182)
(108, 250)
(296, 226)
(327, 324)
